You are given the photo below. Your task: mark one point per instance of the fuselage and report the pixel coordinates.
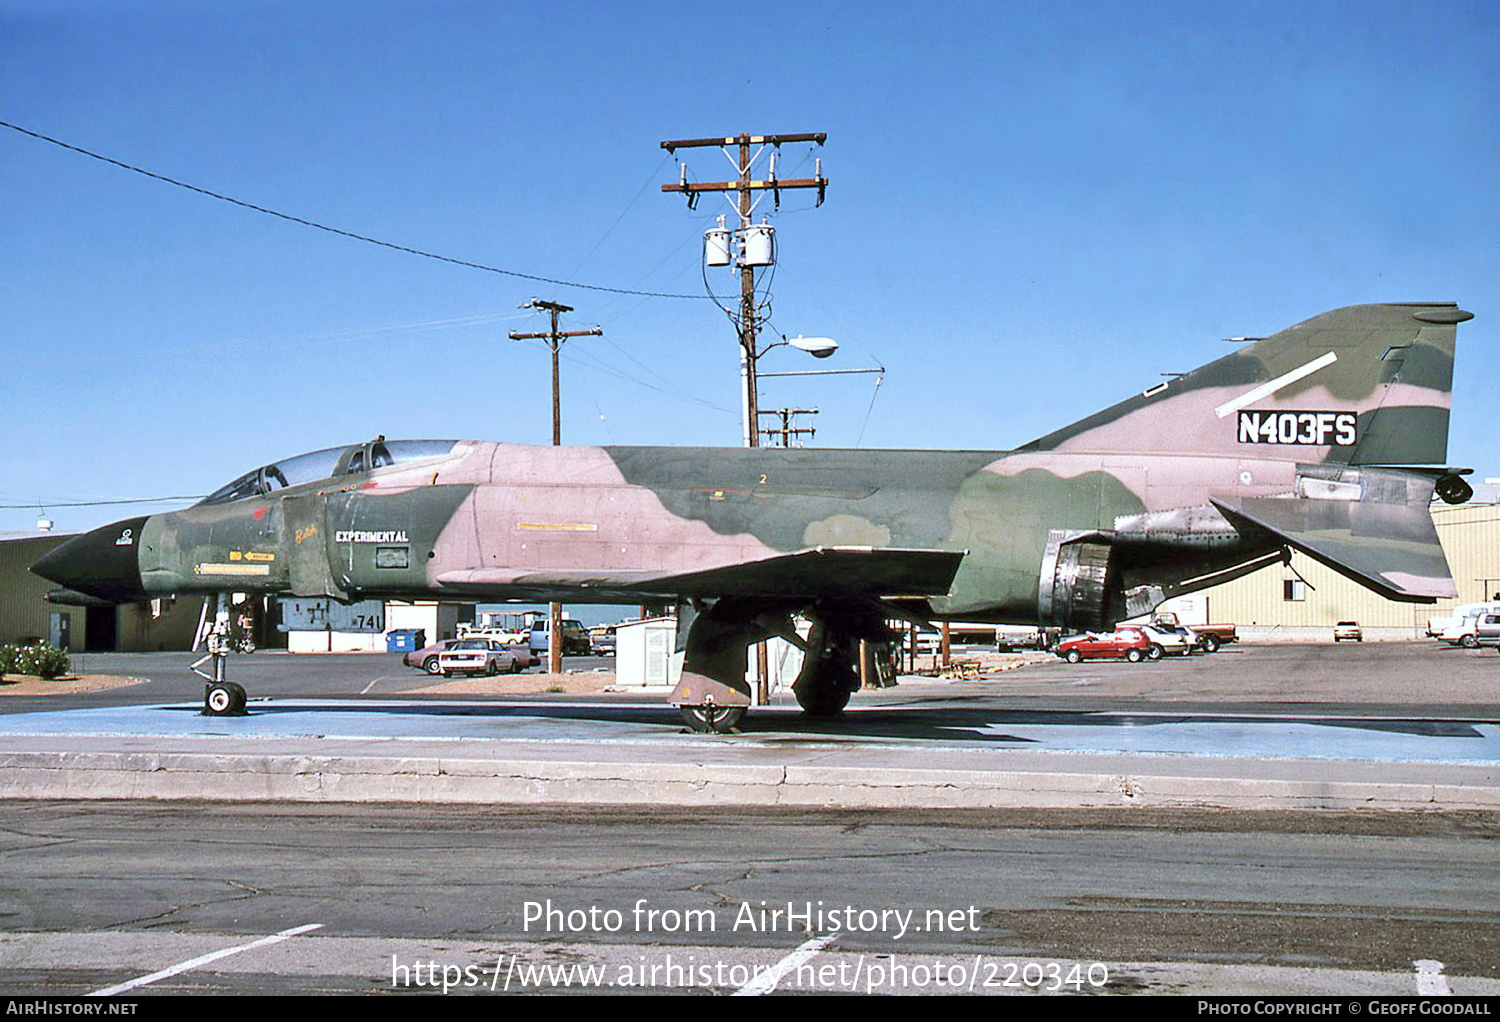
(511, 511)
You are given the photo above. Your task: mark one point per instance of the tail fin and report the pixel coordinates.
(1364, 385)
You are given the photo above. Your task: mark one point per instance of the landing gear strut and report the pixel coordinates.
(712, 694)
(221, 698)
(828, 677)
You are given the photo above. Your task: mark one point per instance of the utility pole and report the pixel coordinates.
(746, 185)
(554, 339)
(786, 431)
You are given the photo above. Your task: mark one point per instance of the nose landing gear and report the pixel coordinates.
(221, 698)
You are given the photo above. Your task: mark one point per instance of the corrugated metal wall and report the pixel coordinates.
(23, 612)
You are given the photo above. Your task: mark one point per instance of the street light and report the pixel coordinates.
(817, 347)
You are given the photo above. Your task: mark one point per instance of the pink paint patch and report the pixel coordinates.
(1418, 585)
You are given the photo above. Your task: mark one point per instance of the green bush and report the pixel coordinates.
(41, 660)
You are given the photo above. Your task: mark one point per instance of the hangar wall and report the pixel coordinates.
(23, 611)
(137, 627)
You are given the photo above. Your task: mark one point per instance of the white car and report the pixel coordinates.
(477, 656)
(1179, 642)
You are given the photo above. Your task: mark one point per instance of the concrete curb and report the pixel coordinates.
(736, 778)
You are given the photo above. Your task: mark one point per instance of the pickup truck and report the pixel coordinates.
(1210, 637)
(1013, 637)
(1463, 627)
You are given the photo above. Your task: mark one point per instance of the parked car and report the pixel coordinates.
(478, 656)
(523, 654)
(1192, 641)
(1128, 642)
(1169, 643)
(602, 639)
(1464, 631)
(1349, 630)
(504, 636)
(426, 658)
(1464, 612)
(1487, 630)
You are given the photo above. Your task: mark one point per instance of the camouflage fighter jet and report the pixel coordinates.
(1329, 437)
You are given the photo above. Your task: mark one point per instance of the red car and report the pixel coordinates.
(1128, 642)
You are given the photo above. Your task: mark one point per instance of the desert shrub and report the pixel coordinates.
(42, 660)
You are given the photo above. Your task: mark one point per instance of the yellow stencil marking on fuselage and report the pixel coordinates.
(232, 569)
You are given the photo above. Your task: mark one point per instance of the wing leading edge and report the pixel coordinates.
(813, 574)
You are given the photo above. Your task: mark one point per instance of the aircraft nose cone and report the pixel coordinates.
(102, 563)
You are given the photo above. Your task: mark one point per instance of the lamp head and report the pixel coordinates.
(817, 347)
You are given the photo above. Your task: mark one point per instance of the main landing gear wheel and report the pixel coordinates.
(719, 720)
(823, 702)
(224, 699)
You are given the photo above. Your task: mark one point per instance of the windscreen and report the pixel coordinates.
(308, 468)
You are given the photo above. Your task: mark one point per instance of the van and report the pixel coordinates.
(575, 639)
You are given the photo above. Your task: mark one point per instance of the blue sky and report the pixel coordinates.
(1034, 210)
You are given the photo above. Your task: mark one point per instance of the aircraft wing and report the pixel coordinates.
(1391, 548)
(813, 573)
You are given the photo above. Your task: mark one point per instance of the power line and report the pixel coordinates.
(334, 230)
(599, 365)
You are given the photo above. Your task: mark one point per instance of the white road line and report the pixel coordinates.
(1430, 979)
(766, 981)
(205, 959)
(1283, 380)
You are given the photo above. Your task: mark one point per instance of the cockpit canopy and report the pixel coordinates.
(328, 464)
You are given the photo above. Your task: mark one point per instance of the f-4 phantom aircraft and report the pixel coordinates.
(1329, 437)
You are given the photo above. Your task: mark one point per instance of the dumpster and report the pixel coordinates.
(404, 640)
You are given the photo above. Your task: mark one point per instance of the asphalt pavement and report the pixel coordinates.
(1269, 820)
